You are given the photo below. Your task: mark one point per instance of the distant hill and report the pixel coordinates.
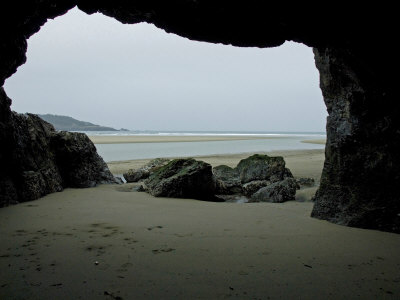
(70, 124)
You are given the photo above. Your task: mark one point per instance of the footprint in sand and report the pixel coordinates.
(183, 235)
(154, 227)
(130, 240)
(100, 249)
(158, 251)
(97, 224)
(124, 268)
(20, 232)
(112, 295)
(103, 229)
(127, 265)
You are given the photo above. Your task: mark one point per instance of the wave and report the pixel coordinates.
(208, 133)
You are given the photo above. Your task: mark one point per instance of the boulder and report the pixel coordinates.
(156, 163)
(182, 178)
(253, 186)
(35, 184)
(77, 159)
(277, 192)
(134, 175)
(227, 180)
(39, 160)
(262, 167)
(37, 171)
(305, 182)
(119, 179)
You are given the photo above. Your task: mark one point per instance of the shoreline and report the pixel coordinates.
(127, 148)
(96, 139)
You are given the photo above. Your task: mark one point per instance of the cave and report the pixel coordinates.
(362, 167)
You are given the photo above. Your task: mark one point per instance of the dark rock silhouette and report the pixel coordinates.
(359, 184)
(251, 187)
(41, 160)
(227, 180)
(78, 161)
(262, 167)
(304, 181)
(189, 178)
(183, 178)
(134, 175)
(362, 167)
(254, 174)
(277, 192)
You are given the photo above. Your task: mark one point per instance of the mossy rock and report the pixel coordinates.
(134, 175)
(277, 192)
(227, 180)
(262, 167)
(182, 178)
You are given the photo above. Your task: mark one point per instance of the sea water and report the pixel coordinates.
(278, 141)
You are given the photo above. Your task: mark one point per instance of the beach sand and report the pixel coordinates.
(316, 141)
(107, 243)
(304, 163)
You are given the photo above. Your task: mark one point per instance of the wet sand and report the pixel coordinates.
(316, 141)
(110, 243)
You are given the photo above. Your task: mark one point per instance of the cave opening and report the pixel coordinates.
(231, 248)
(96, 69)
(360, 175)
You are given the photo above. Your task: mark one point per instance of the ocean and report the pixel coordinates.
(129, 151)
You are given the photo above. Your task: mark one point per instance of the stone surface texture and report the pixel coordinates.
(253, 174)
(134, 175)
(227, 180)
(253, 186)
(361, 176)
(262, 167)
(39, 160)
(306, 182)
(182, 178)
(277, 192)
(355, 58)
(77, 159)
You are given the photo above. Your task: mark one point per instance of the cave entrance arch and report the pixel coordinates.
(70, 63)
(141, 78)
(362, 167)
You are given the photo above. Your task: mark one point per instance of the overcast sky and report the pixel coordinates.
(139, 77)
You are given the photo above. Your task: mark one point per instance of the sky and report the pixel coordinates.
(95, 69)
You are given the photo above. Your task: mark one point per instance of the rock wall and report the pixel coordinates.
(37, 160)
(361, 177)
(8, 190)
(353, 54)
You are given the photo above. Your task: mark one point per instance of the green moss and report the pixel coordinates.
(223, 168)
(176, 167)
(259, 158)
